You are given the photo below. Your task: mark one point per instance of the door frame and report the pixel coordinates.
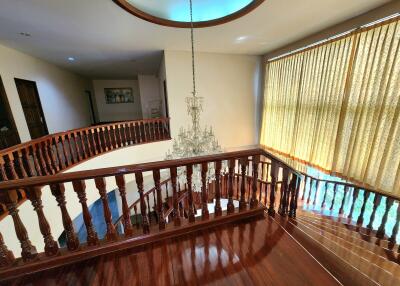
(3, 96)
(38, 100)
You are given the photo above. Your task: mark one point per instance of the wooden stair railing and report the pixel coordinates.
(226, 185)
(338, 200)
(56, 153)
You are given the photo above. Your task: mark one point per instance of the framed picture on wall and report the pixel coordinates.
(118, 95)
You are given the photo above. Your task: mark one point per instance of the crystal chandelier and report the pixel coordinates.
(194, 141)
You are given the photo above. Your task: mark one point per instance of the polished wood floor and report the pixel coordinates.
(253, 252)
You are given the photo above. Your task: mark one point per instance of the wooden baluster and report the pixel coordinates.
(98, 130)
(11, 165)
(65, 151)
(110, 137)
(310, 190)
(120, 180)
(2, 170)
(77, 147)
(121, 135)
(26, 155)
(217, 207)
(284, 192)
(242, 201)
(80, 189)
(360, 218)
(148, 207)
(95, 145)
(192, 210)
(132, 133)
(345, 191)
(47, 157)
(115, 136)
(160, 207)
(146, 137)
(81, 146)
(354, 199)
(175, 214)
(377, 201)
(323, 203)
(58, 191)
(6, 256)
(104, 138)
(111, 234)
(395, 230)
(34, 194)
(334, 196)
(68, 137)
(304, 187)
(10, 199)
(381, 230)
(274, 175)
(91, 148)
(21, 164)
(231, 170)
(166, 191)
(253, 200)
(136, 217)
(204, 192)
(316, 192)
(35, 161)
(42, 160)
(53, 159)
(145, 217)
(59, 154)
(294, 190)
(261, 180)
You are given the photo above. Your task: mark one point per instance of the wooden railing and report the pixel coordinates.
(235, 162)
(339, 199)
(55, 153)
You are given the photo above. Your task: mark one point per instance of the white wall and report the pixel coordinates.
(150, 95)
(64, 102)
(230, 89)
(228, 84)
(120, 111)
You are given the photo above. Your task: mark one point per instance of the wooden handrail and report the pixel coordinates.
(129, 169)
(55, 153)
(226, 185)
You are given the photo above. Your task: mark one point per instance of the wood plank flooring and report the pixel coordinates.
(252, 252)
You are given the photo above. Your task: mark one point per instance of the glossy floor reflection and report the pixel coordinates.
(255, 252)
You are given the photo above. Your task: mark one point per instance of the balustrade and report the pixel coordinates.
(167, 201)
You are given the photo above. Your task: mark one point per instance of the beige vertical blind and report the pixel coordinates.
(337, 107)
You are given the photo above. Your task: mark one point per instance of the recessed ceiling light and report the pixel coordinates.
(71, 59)
(24, 34)
(241, 39)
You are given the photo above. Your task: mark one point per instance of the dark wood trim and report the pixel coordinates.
(3, 95)
(156, 20)
(38, 100)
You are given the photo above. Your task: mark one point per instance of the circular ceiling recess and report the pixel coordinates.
(175, 13)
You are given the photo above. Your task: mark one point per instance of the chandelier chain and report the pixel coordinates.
(192, 42)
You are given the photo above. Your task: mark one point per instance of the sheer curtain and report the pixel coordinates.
(337, 107)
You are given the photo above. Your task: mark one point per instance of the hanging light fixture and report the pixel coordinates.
(194, 141)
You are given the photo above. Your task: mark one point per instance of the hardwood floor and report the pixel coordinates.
(252, 252)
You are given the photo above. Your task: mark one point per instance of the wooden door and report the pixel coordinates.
(8, 131)
(30, 101)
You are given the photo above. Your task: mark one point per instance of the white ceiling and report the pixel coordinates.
(108, 42)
